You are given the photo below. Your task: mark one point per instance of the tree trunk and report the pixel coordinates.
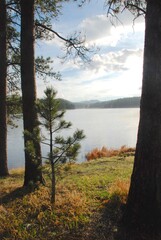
(33, 172)
(52, 163)
(143, 210)
(3, 91)
(53, 183)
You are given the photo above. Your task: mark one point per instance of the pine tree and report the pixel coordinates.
(61, 149)
(143, 208)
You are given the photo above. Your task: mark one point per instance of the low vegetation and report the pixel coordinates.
(89, 200)
(97, 153)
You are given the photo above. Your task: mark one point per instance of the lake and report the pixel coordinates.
(111, 128)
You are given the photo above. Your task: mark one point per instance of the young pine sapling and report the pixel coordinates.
(62, 149)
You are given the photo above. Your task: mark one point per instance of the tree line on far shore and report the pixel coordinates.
(132, 102)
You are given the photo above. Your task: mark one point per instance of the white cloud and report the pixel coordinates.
(96, 27)
(101, 31)
(117, 75)
(116, 71)
(113, 61)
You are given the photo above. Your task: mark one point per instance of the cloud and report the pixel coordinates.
(110, 75)
(96, 27)
(113, 61)
(115, 71)
(117, 75)
(101, 31)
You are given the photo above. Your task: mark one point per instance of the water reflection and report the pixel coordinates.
(103, 127)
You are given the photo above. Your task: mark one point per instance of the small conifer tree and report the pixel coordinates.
(61, 150)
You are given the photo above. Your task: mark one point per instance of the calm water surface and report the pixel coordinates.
(111, 128)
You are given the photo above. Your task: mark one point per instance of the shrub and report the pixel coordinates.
(105, 152)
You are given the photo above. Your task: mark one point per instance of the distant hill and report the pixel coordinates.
(85, 104)
(133, 102)
(65, 104)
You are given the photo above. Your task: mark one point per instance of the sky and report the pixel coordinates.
(115, 71)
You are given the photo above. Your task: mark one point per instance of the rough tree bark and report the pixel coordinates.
(3, 91)
(143, 210)
(33, 171)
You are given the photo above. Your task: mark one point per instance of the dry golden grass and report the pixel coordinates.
(81, 192)
(119, 189)
(33, 216)
(105, 152)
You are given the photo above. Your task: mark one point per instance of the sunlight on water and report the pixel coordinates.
(103, 127)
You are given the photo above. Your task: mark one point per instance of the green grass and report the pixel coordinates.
(84, 191)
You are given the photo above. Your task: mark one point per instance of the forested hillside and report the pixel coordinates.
(65, 104)
(118, 103)
(133, 102)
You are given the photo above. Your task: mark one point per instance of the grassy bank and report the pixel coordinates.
(88, 200)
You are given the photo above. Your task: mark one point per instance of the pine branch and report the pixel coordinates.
(137, 7)
(65, 150)
(13, 9)
(75, 43)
